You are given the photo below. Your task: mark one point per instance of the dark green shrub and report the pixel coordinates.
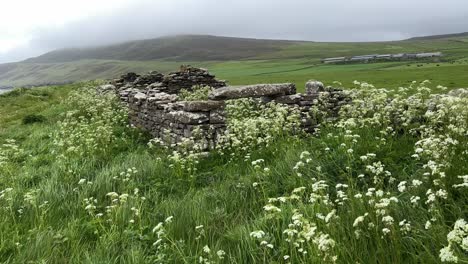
(33, 118)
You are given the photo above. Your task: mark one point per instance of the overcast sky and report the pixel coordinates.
(32, 27)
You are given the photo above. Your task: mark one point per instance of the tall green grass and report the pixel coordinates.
(153, 213)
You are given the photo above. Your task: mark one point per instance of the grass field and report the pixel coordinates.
(292, 62)
(386, 184)
(391, 74)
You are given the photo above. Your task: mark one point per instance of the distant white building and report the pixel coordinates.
(359, 58)
(371, 57)
(384, 56)
(364, 57)
(334, 60)
(429, 55)
(398, 56)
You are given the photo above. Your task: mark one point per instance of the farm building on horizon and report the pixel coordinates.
(429, 55)
(373, 57)
(333, 60)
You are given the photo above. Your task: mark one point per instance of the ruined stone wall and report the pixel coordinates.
(155, 106)
(172, 83)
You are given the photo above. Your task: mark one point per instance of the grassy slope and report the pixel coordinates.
(220, 197)
(381, 74)
(279, 67)
(27, 73)
(296, 63)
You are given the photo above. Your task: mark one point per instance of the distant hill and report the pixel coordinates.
(229, 58)
(181, 48)
(445, 36)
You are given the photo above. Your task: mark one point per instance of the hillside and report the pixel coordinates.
(181, 48)
(244, 61)
(444, 36)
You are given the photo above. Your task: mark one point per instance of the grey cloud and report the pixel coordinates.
(331, 20)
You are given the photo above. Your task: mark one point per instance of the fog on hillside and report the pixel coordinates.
(54, 25)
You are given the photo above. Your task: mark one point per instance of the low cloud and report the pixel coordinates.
(332, 20)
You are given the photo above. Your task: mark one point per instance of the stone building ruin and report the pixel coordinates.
(155, 105)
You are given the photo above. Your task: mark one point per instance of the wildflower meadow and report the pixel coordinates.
(385, 182)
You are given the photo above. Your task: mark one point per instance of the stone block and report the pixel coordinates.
(217, 117)
(313, 86)
(140, 96)
(288, 99)
(201, 106)
(189, 117)
(162, 97)
(257, 90)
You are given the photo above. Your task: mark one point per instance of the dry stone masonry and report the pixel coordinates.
(172, 83)
(155, 106)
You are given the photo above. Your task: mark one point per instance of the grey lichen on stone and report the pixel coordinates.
(249, 91)
(201, 106)
(163, 97)
(140, 96)
(313, 86)
(189, 117)
(217, 117)
(289, 99)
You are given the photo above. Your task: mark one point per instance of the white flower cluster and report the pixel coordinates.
(374, 195)
(458, 237)
(162, 242)
(196, 93)
(185, 155)
(251, 125)
(9, 152)
(89, 127)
